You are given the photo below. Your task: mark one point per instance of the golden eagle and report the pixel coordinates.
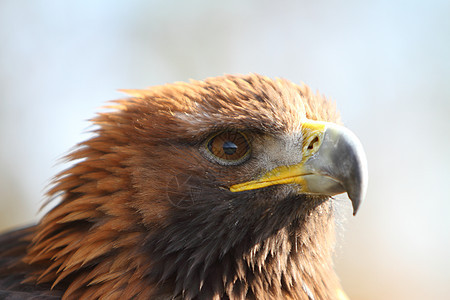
(214, 189)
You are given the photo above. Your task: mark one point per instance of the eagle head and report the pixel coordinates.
(215, 189)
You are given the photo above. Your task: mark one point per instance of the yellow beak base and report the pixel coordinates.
(333, 162)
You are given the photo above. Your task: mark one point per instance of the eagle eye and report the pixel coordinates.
(228, 147)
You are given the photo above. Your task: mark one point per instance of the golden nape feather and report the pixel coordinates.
(215, 189)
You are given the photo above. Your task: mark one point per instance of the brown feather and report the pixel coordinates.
(142, 215)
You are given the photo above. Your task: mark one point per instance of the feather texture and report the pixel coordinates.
(144, 215)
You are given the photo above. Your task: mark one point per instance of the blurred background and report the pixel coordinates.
(385, 63)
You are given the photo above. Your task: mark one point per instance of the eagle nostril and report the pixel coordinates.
(313, 143)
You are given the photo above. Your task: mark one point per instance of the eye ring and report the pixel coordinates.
(229, 147)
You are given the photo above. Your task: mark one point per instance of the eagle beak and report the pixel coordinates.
(333, 162)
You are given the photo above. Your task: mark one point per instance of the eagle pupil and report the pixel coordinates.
(229, 148)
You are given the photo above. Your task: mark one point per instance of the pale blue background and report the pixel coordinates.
(385, 63)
